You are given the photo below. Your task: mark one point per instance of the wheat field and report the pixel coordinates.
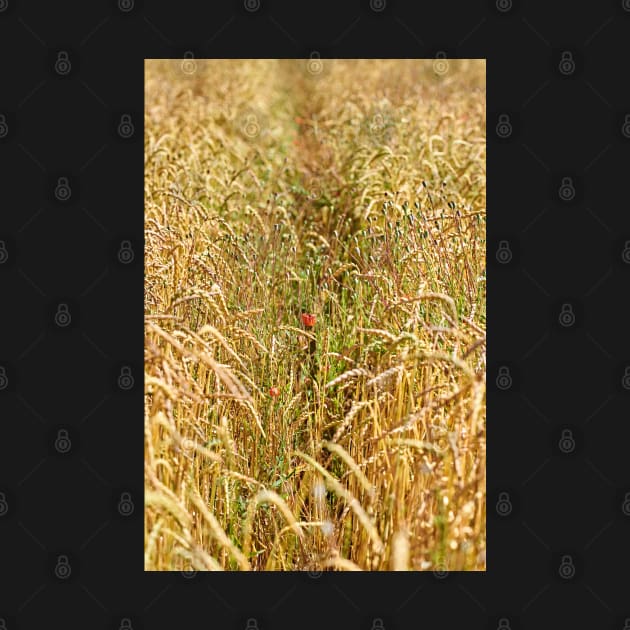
(315, 310)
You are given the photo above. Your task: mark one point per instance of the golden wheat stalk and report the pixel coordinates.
(267, 496)
(347, 376)
(356, 507)
(217, 532)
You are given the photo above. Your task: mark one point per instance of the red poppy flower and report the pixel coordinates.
(308, 319)
(274, 391)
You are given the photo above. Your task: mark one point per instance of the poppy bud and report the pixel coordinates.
(308, 320)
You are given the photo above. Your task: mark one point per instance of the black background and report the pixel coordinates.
(559, 479)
